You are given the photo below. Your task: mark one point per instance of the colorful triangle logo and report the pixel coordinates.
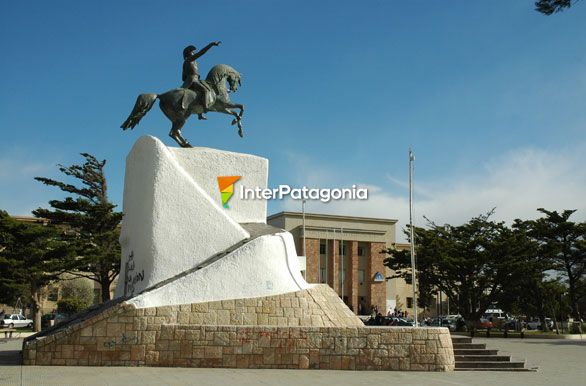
(226, 184)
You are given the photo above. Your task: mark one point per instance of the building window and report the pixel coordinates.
(322, 274)
(360, 251)
(409, 302)
(361, 276)
(322, 249)
(342, 249)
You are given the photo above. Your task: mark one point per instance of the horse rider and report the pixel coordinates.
(190, 75)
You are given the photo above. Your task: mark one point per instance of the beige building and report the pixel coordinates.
(346, 252)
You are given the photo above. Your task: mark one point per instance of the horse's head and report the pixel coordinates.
(234, 81)
(222, 72)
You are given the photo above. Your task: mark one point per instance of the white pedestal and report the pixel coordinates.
(174, 221)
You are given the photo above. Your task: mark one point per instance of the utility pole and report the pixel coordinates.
(411, 235)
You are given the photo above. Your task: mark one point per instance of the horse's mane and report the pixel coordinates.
(219, 71)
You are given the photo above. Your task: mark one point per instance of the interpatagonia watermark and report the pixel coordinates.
(226, 185)
(303, 193)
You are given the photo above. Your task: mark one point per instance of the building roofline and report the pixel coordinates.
(331, 217)
(31, 219)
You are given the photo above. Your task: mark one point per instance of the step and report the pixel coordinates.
(496, 369)
(482, 358)
(475, 352)
(490, 365)
(461, 339)
(469, 346)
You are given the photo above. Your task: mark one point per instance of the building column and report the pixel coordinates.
(312, 260)
(377, 290)
(333, 266)
(352, 284)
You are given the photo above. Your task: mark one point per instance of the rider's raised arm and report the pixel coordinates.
(203, 50)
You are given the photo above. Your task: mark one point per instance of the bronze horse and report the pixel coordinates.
(178, 104)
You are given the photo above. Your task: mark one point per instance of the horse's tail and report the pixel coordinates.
(143, 104)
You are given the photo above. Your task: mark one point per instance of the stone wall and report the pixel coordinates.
(317, 306)
(305, 329)
(340, 348)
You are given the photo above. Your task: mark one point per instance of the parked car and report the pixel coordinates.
(511, 324)
(496, 313)
(388, 321)
(394, 321)
(484, 323)
(449, 322)
(55, 317)
(15, 320)
(535, 324)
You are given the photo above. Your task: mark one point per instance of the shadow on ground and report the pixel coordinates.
(560, 342)
(9, 357)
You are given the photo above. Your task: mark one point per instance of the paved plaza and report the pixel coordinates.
(560, 362)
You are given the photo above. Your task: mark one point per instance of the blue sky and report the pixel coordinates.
(491, 96)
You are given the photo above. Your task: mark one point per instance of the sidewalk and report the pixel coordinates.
(560, 362)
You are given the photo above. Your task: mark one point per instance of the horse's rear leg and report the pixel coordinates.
(175, 133)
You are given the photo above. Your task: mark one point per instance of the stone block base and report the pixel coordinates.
(309, 329)
(255, 347)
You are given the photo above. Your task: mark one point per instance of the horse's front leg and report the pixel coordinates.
(238, 106)
(231, 105)
(236, 120)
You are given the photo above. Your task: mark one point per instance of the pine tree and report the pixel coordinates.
(549, 7)
(562, 247)
(92, 219)
(31, 256)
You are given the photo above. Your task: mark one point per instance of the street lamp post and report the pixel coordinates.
(413, 274)
(304, 254)
(562, 312)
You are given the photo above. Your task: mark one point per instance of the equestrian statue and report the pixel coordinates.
(195, 96)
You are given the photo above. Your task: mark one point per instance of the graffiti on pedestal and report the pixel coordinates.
(122, 341)
(130, 276)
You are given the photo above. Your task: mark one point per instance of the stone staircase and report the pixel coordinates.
(476, 357)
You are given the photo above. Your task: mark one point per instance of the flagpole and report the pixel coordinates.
(412, 244)
(342, 256)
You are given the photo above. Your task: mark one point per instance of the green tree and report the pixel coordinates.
(76, 295)
(473, 264)
(549, 7)
(77, 288)
(562, 248)
(535, 295)
(31, 256)
(92, 218)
